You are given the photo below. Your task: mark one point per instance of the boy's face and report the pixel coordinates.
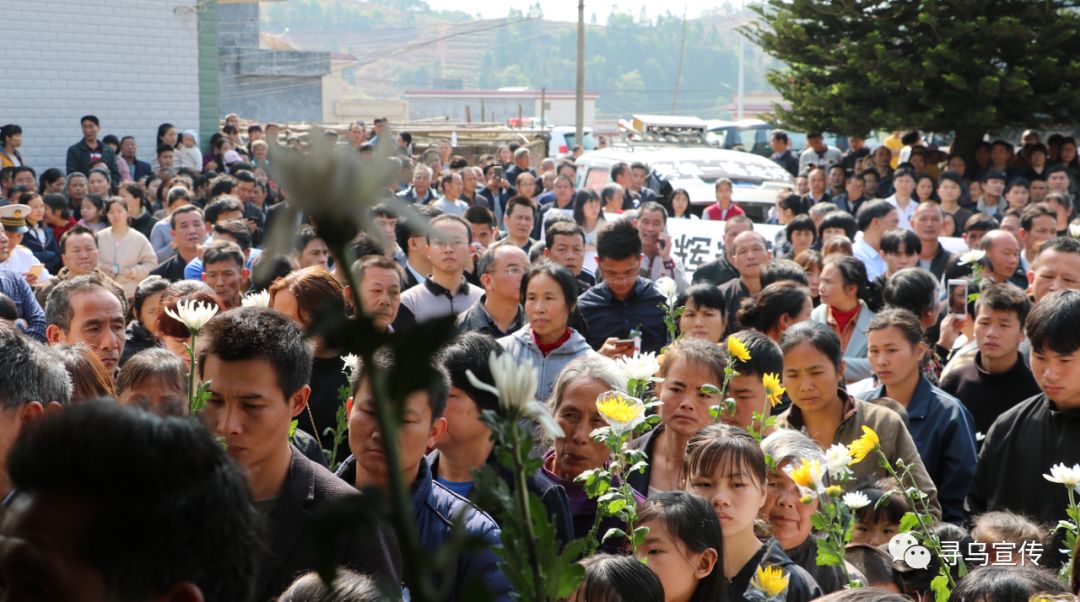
(998, 333)
(876, 533)
(417, 434)
(1058, 376)
(749, 394)
(900, 260)
(248, 409)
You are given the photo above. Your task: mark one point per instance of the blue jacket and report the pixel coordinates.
(609, 317)
(435, 510)
(944, 434)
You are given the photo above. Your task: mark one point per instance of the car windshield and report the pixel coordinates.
(590, 141)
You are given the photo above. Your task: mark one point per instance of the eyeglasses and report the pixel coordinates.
(624, 277)
(514, 270)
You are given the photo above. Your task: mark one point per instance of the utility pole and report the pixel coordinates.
(739, 93)
(682, 54)
(579, 100)
(543, 112)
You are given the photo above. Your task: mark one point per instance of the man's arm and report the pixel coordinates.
(73, 159)
(28, 307)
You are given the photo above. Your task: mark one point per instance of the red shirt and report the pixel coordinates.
(715, 213)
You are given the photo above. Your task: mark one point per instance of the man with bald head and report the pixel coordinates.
(750, 254)
(1002, 259)
(722, 269)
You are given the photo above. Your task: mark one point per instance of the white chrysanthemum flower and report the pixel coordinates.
(640, 367)
(351, 365)
(259, 299)
(192, 314)
(971, 257)
(1068, 476)
(668, 287)
(855, 500)
(1074, 230)
(838, 461)
(515, 385)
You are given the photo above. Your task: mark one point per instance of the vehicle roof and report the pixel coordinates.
(701, 157)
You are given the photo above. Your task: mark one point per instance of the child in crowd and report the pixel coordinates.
(611, 578)
(1008, 538)
(726, 466)
(188, 154)
(93, 213)
(875, 525)
(684, 547)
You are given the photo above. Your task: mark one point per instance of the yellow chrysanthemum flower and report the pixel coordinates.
(737, 349)
(862, 446)
(619, 408)
(833, 490)
(807, 474)
(771, 581)
(774, 391)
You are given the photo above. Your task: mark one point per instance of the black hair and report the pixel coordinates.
(1004, 297)
(800, 222)
(692, 521)
(1006, 584)
(892, 240)
(223, 250)
(875, 564)
(561, 228)
(91, 118)
(432, 379)
(765, 355)
(58, 309)
(870, 211)
(49, 176)
(8, 311)
(247, 333)
(793, 203)
(853, 271)
(403, 231)
(1033, 212)
(76, 231)
(817, 335)
(913, 289)
(7, 131)
(839, 219)
(763, 311)
(99, 203)
(783, 269)
(165, 372)
(1054, 323)
(304, 234)
(481, 216)
(704, 294)
(980, 222)
(902, 320)
(704, 353)
(221, 204)
(951, 176)
(1013, 183)
(720, 446)
(1053, 168)
(910, 137)
(618, 240)
(450, 217)
(164, 505)
(150, 286)
(655, 208)
(1061, 244)
(237, 229)
(621, 578)
(469, 353)
(891, 510)
(559, 274)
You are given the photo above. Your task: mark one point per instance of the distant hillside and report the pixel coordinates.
(631, 61)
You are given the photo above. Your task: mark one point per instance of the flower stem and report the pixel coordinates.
(919, 507)
(523, 503)
(192, 402)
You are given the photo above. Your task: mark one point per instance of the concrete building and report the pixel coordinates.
(265, 84)
(499, 105)
(134, 64)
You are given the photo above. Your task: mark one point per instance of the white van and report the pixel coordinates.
(756, 179)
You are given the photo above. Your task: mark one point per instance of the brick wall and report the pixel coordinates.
(133, 63)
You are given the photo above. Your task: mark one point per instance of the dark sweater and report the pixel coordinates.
(326, 378)
(801, 586)
(987, 395)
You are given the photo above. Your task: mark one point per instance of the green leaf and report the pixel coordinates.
(292, 429)
(908, 522)
(570, 577)
(940, 586)
(614, 506)
(613, 532)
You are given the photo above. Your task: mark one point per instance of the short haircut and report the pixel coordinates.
(377, 261)
(403, 230)
(383, 210)
(91, 118)
(58, 202)
(792, 203)
(248, 333)
(176, 194)
(431, 379)
(223, 184)
(182, 211)
(892, 240)
(618, 240)
(449, 217)
(30, 371)
(150, 286)
(238, 230)
(1003, 582)
(469, 353)
(520, 200)
(800, 223)
(158, 494)
(561, 228)
(76, 231)
(316, 291)
(980, 222)
(951, 176)
(654, 207)
(779, 135)
(1061, 244)
(58, 310)
(225, 203)
(1033, 212)
(871, 211)
(913, 289)
(304, 234)
(618, 170)
(839, 219)
(779, 270)
(154, 363)
(221, 251)
(1054, 323)
(559, 274)
(481, 216)
(765, 355)
(1004, 297)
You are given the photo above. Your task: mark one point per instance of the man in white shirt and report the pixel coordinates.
(818, 153)
(904, 186)
(874, 220)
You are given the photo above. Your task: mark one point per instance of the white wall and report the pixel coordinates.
(133, 63)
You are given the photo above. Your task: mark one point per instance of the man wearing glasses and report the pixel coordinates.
(498, 312)
(623, 311)
(445, 292)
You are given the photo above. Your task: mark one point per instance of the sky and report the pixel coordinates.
(566, 10)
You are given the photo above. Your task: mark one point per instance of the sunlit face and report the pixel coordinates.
(567, 250)
(723, 194)
(924, 189)
(1017, 197)
(701, 322)
(504, 279)
(578, 417)
(37, 210)
(1004, 256)
(189, 231)
(620, 274)
(226, 277)
(813, 277)
(893, 358)
(97, 321)
(998, 333)
(650, 226)
(817, 182)
(1058, 376)
(380, 295)
(1043, 228)
(750, 255)
(685, 408)
(948, 191)
(76, 188)
(98, 184)
(680, 203)
(927, 222)
(900, 260)
(417, 433)
(482, 234)
(526, 185)
(801, 240)
(735, 495)
(811, 379)
(89, 210)
(80, 254)
(854, 188)
(546, 307)
(788, 517)
(449, 252)
(315, 253)
(519, 222)
(749, 394)
(904, 185)
(834, 291)
(1058, 181)
(1054, 271)
(875, 533)
(117, 214)
(678, 569)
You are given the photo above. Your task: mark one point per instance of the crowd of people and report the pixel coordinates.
(964, 361)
